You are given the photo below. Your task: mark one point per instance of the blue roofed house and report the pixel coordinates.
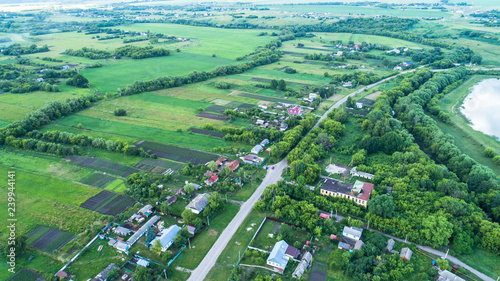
(167, 237)
(264, 142)
(257, 149)
(278, 257)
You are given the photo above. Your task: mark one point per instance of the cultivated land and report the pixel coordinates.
(64, 201)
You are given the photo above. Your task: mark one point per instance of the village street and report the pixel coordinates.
(273, 176)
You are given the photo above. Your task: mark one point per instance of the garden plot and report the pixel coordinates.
(288, 83)
(265, 98)
(102, 165)
(217, 108)
(206, 132)
(156, 166)
(108, 203)
(48, 239)
(98, 180)
(176, 153)
(25, 275)
(213, 116)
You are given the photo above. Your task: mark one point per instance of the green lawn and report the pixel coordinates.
(91, 262)
(120, 73)
(236, 246)
(190, 258)
(485, 262)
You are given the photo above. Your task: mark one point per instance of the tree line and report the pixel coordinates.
(264, 55)
(133, 52)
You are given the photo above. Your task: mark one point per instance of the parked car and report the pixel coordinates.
(125, 276)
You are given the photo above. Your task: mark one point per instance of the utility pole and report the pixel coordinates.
(165, 272)
(208, 220)
(368, 225)
(446, 255)
(406, 238)
(189, 241)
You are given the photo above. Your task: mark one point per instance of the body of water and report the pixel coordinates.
(482, 107)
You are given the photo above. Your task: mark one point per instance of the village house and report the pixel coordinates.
(181, 192)
(352, 232)
(313, 96)
(334, 169)
(209, 173)
(220, 161)
(445, 275)
(347, 84)
(40, 79)
(122, 231)
(355, 173)
(359, 192)
(259, 122)
(359, 105)
(406, 254)
(257, 149)
(292, 252)
(191, 229)
(251, 159)
(198, 203)
(103, 275)
(167, 237)
(233, 165)
(195, 185)
(278, 257)
(212, 180)
(146, 211)
(264, 142)
(398, 68)
(303, 265)
(171, 199)
(295, 111)
(283, 127)
(139, 233)
(390, 244)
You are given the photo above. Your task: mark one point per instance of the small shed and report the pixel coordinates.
(406, 254)
(191, 229)
(62, 275)
(390, 244)
(324, 216)
(344, 246)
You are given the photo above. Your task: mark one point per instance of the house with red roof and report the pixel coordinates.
(295, 110)
(359, 192)
(212, 180)
(233, 165)
(220, 161)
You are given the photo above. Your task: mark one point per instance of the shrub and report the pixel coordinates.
(489, 152)
(120, 112)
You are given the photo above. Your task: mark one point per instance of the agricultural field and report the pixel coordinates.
(63, 201)
(108, 203)
(101, 165)
(48, 239)
(98, 180)
(176, 153)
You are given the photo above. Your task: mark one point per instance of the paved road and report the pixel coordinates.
(344, 99)
(273, 176)
(441, 254)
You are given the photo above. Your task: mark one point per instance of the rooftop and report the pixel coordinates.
(199, 202)
(278, 254)
(337, 186)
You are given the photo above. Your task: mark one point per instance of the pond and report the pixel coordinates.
(482, 107)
